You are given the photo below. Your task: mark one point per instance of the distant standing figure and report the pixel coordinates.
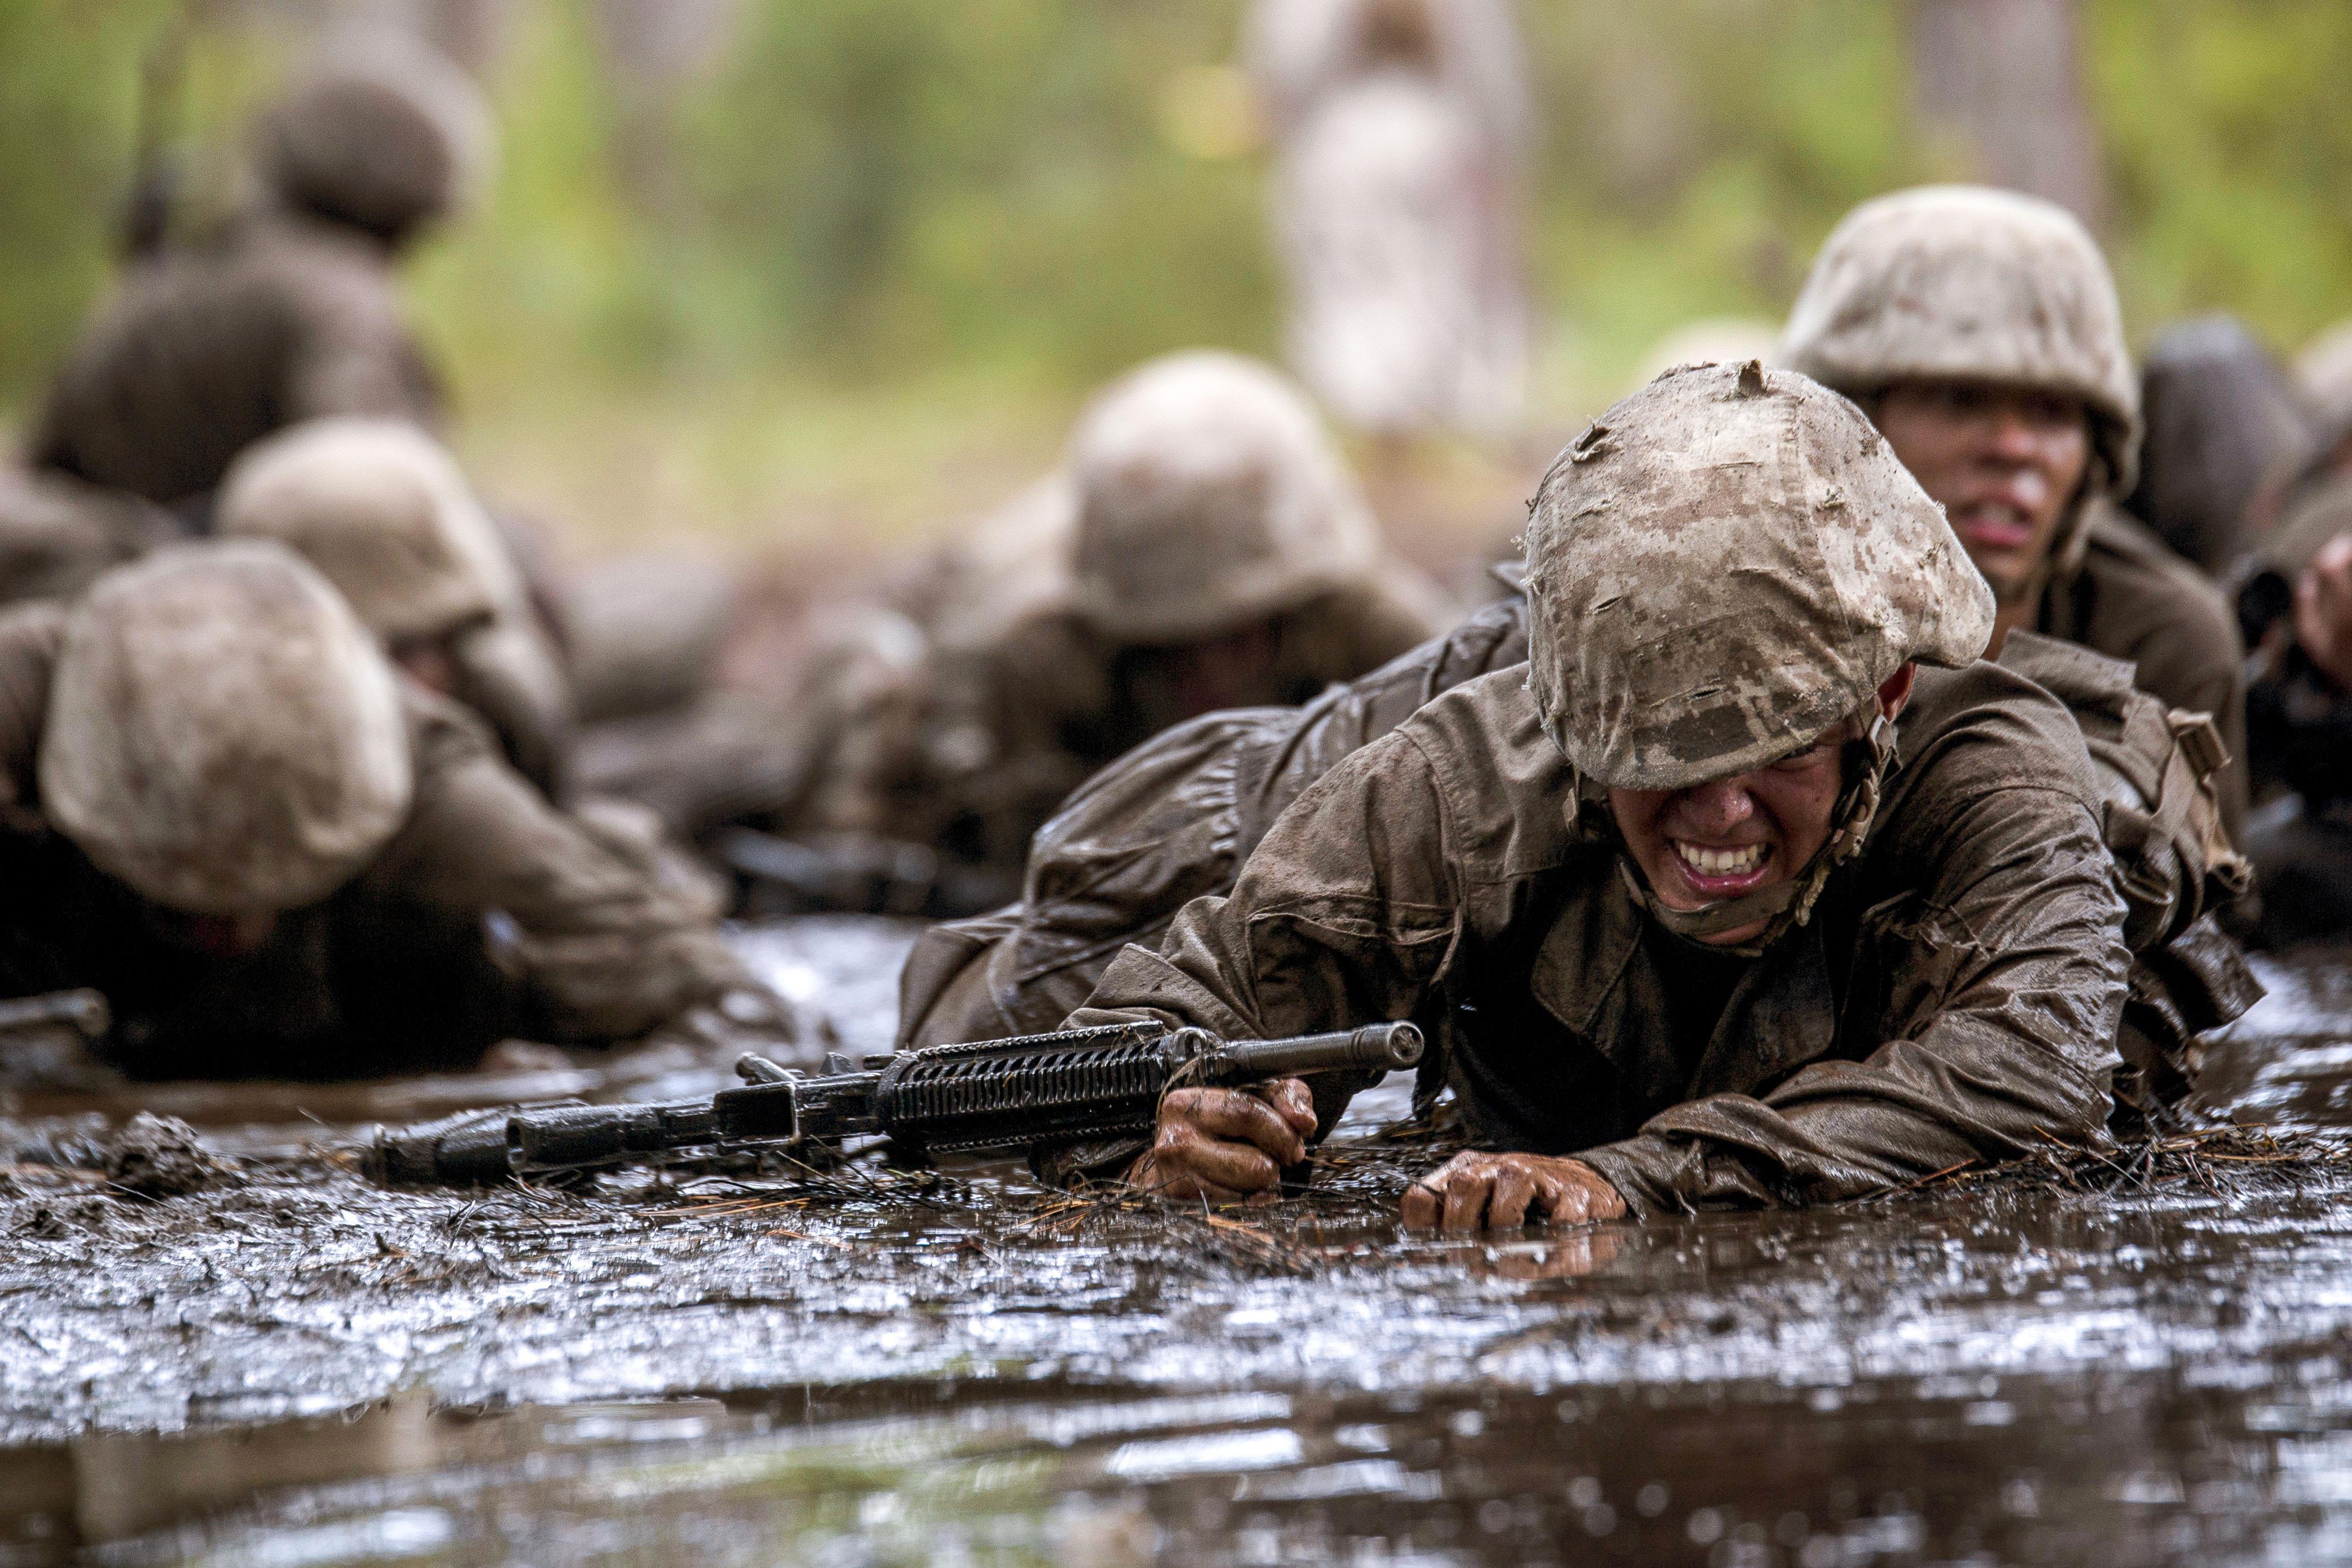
(290, 313)
(1399, 126)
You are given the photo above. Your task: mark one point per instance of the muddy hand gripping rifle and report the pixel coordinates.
(1038, 1090)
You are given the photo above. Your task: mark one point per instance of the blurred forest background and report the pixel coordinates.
(819, 273)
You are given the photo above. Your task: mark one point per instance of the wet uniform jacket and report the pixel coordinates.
(2132, 599)
(488, 916)
(1958, 988)
(206, 350)
(1172, 821)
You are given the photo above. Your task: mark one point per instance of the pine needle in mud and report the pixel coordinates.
(2217, 1162)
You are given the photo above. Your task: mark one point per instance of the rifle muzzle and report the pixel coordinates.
(468, 1149)
(1375, 1048)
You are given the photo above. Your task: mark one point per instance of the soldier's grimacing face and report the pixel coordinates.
(1731, 837)
(2005, 462)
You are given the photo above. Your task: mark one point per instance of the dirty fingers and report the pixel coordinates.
(1226, 1146)
(1481, 1191)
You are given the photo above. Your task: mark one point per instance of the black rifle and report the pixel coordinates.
(1038, 1090)
(856, 873)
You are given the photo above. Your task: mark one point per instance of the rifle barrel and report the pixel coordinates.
(574, 1135)
(1381, 1047)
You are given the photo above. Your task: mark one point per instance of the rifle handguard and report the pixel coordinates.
(950, 1099)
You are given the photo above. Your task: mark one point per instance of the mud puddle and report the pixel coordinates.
(876, 1365)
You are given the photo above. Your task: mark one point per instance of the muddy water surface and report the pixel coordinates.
(885, 1367)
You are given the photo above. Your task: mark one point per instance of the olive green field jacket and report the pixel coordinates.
(1954, 997)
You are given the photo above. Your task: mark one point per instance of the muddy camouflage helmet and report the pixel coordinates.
(1963, 282)
(385, 137)
(381, 508)
(1208, 496)
(1724, 565)
(222, 735)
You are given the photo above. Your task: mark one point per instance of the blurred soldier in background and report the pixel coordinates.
(382, 511)
(2222, 419)
(222, 808)
(1400, 125)
(292, 311)
(2294, 602)
(57, 533)
(1681, 934)
(1208, 549)
(1980, 330)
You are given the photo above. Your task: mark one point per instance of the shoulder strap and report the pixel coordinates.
(2158, 768)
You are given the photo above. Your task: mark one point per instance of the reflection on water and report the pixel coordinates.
(345, 1378)
(2095, 1465)
(2288, 1062)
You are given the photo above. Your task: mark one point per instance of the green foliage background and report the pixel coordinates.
(856, 275)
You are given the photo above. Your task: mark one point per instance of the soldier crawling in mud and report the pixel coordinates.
(1755, 885)
(290, 313)
(2295, 600)
(221, 807)
(380, 509)
(1205, 550)
(1983, 330)
(1980, 330)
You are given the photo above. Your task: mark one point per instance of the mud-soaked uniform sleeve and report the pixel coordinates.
(1347, 912)
(601, 947)
(2001, 984)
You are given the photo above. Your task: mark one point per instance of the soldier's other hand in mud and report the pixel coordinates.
(1475, 1190)
(1226, 1146)
(2323, 610)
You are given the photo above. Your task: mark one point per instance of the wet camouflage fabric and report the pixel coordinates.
(1208, 496)
(378, 507)
(381, 508)
(487, 916)
(203, 351)
(1962, 282)
(1955, 994)
(223, 734)
(1724, 565)
(1176, 818)
(2132, 599)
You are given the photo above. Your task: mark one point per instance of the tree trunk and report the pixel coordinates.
(1999, 83)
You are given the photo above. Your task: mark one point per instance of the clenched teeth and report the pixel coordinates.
(1721, 863)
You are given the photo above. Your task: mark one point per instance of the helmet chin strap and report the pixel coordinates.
(1783, 907)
